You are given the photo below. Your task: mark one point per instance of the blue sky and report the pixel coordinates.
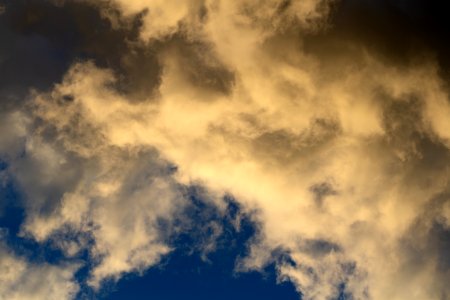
(187, 272)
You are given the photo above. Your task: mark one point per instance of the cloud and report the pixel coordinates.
(409, 32)
(21, 279)
(83, 193)
(340, 146)
(117, 196)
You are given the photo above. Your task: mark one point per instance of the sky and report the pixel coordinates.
(213, 149)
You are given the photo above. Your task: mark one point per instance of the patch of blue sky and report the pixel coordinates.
(191, 271)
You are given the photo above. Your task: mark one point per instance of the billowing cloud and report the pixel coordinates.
(338, 139)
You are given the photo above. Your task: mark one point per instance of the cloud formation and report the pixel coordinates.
(337, 137)
(22, 280)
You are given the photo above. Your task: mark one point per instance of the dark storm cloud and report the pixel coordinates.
(44, 38)
(396, 31)
(25, 61)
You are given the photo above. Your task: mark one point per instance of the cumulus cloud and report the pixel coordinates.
(341, 147)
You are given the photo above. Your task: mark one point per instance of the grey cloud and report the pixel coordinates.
(321, 191)
(201, 65)
(426, 246)
(46, 37)
(283, 147)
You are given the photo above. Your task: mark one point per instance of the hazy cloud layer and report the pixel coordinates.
(328, 120)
